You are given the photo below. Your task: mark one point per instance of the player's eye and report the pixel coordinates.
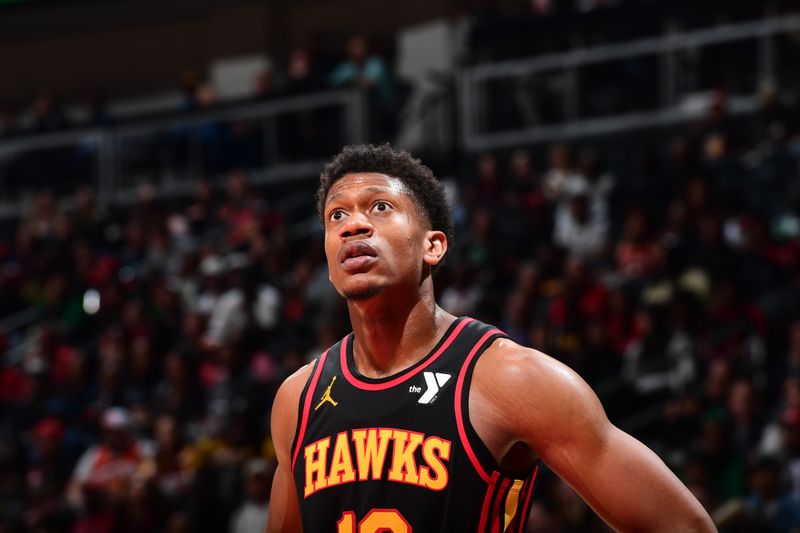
(336, 215)
(382, 206)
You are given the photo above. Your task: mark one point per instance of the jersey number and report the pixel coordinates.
(376, 521)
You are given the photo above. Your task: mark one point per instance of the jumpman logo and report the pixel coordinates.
(327, 396)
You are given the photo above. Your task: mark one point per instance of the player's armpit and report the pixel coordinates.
(562, 421)
(284, 512)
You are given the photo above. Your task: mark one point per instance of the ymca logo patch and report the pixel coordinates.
(434, 383)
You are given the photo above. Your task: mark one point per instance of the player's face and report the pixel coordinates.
(375, 236)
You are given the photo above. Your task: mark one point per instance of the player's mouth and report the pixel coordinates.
(357, 255)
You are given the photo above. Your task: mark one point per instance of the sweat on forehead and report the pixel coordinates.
(369, 182)
(372, 183)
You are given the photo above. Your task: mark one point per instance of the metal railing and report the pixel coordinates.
(474, 100)
(173, 153)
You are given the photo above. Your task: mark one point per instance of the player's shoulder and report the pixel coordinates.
(287, 398)
(515, 372)
(285, 406)
(511, 360)
(292, 387)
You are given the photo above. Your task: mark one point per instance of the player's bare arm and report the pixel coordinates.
(520, 395)
(284, 514)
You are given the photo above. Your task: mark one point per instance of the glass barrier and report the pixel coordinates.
(59, 162)
(617, 87)
(272, 140)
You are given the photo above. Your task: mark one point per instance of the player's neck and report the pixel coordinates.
(392, 332)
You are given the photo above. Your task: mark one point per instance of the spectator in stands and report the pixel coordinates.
(660, 363)
(791, 446)
(575, 300)
(46, 474)
(770, 504)
(229, 316)
(104, 472)
(581, 230)
(211, 135)
(141, 508)
(48, 114)
(525, 191)
(307, 133)
(365, 70)
(522, 172)
(251, 516)
(303, 76)
(463, 294)
(169, 468)
(747, 421)
(600, 183)
(479, 250)
(180, 393)
(561, 180)
(780, 437)
(735, 328)
(189, 80)
(263, 85)
(370, 73)
(637, 253)
(48, 464)
(727, 469)
(562, 183)
(488, 186)
(541, 8)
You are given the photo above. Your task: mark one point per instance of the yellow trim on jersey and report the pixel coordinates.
(512, 502)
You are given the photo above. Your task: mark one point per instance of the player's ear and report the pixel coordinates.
(435, 247)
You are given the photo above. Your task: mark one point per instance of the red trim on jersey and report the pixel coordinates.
(307, 406)
(403, 377)
(487, 501)
(525, 509)
(459, 415)
(498, 516)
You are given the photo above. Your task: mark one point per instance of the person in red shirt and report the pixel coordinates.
(105, 470)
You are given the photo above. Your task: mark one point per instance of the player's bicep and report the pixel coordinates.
(283, 421)
(607, 467)
(628, 485)
(569, 430)
(284, 513)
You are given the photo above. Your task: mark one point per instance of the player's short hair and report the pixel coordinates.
(427, 191)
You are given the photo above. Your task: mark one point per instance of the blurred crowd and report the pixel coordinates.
(672, 284)
(142, 345)
(139, 399)
(312, 67)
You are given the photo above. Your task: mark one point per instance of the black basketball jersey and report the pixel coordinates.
(399, 453)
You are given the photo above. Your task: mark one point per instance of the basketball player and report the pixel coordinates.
(422, 421)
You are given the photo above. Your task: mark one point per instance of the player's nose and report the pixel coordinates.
(356, 225)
